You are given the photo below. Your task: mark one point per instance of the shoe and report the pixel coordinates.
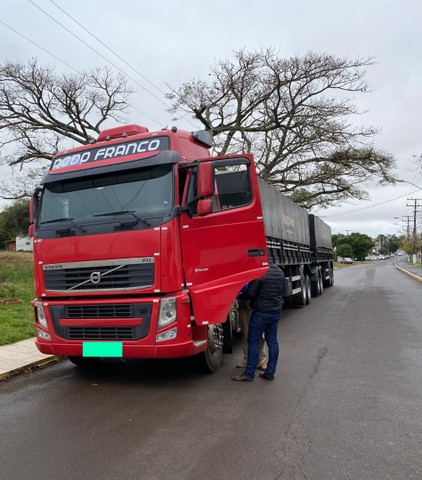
(265, 376)
(241, 378)
(241, 364)
(262, 367)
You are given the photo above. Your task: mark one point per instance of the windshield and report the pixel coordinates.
(134, 196)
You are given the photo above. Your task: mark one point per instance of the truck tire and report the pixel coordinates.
(210, 359)
(317, 284)
(321, 282)
(329, 282)
(308, 289)
(299, 300)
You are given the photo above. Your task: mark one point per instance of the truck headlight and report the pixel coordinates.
(168, 312)
(40, 314)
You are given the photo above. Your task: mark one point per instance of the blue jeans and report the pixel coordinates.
(260, 323)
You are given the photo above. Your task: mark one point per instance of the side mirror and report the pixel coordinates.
(204, 207)
(33, 207)
(205, 179)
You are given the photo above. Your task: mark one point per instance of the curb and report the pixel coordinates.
(30, 366)
(410, 274)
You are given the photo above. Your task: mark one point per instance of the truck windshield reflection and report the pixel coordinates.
(139, 195)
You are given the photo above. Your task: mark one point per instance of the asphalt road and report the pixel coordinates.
(346, 403)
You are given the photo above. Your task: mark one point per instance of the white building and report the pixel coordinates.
(24, 244)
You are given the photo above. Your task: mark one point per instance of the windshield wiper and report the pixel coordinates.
(123, 212)
(64, 219)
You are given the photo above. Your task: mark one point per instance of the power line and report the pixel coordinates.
(97, 52)
(366, 208)
(108, 48)
(67, 65)
(112, 51)
(40, 47)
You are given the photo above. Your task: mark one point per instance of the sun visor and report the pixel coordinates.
(159, 158)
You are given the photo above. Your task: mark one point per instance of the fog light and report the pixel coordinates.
(168, 335)
(168, 312)
(40, 314)
(43, 335)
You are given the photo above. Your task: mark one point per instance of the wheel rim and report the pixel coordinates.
(215, 339)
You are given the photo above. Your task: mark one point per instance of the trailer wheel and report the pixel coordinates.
(308, 289)
(330, 281)
(299, 300)
(210, 359)
(321, 282)
(317, 283)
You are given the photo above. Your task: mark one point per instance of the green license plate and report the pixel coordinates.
(102, 349)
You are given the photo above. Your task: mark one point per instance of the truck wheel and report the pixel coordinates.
(299, 300)
(210, 359)
(321, 283)
(308, 289)
(330, 280)
(86, 362)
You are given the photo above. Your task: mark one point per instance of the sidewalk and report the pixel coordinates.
(409, 269)
(23, 356)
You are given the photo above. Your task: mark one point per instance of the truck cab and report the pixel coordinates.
(142, 242)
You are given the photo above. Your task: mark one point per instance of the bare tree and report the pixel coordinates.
(41, 111)
(295, 116)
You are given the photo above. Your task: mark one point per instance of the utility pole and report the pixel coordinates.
(407, 218)
(415, 206)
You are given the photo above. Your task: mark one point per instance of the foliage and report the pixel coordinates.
(40, 110)
(410, 246)
(345, 250)
(14, 221)
(394, 243)
(359, 243)
(16, 293)
(295, 116)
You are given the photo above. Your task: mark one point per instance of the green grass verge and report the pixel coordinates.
(16, 293)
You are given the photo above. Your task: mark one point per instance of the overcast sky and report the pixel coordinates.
(171, 42)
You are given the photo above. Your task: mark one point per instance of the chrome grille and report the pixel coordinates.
(122, 274)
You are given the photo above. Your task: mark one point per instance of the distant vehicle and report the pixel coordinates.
(376, 257)
(347, 260)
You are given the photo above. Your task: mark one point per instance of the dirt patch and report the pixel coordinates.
(16, 258)
(10, 301)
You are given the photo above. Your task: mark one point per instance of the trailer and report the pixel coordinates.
(299, 243)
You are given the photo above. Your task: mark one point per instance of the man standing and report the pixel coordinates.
(244, 315)
(266, 299)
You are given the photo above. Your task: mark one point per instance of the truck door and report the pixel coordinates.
(222, 231)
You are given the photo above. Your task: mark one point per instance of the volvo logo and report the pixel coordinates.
(95, 277)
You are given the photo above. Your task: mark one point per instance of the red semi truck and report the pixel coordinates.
(142, 242)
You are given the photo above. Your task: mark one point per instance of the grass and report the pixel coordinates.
(16, 293)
